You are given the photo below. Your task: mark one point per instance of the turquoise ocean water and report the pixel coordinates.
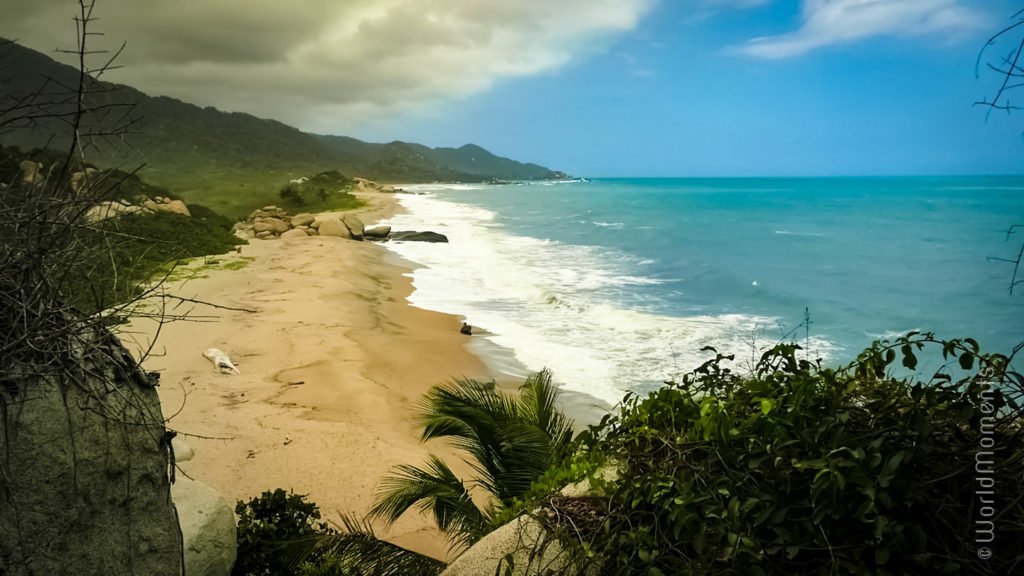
(616, 284)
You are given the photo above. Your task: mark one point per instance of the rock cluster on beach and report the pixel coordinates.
(141, 205)
(272, 222)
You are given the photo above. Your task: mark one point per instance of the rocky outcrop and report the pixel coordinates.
(531, 547)
(355, 226)
(84, 466)
(31, 172)
(364, 185)
(377, 232)
(302, 220)
(162, 204)
(207, 528)
(294, 233)
(105, 210)
(410, 236)
(333, 227)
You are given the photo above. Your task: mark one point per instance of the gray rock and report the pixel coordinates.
(377, 232)
(355, 226)
(533, 550)
(334, 228)
(85, 477)
(182, 451)
(411, 236)
(302, 220)
(31, 172)
(207, 528)
(294, 233)
(274, 225)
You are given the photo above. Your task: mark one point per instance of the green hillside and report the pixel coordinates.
(229, 161)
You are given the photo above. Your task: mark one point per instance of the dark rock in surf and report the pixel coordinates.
(411, 236)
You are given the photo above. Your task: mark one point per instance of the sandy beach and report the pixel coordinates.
(332, 360)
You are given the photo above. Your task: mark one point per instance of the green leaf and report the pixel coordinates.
(966, 360)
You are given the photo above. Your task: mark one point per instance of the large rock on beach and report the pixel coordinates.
(302, 220)
(334, 227)
(207, 523)
(377, 232)
(273, 225)
(355, 226)
(295, 233)
(411, 236)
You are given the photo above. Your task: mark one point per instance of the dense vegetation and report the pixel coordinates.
(321, 192)
(117, 256)
(793, 469)
(233, 161)
(800, 469)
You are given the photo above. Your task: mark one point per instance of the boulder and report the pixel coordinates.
(78, 180)
(270, 208)
(105, 210)
(377, 232)
(314, 224)
(294, 233)
(257, 213)
(176, 207)
(355, 226)
(84, 475)
(182, 451)
(312, 232)
(302, 220)
(532, 548)
(31, 172)
(364, 184)
(274, 225)
(265, 234)
(207, 525)
(334, 228)
(411, 236)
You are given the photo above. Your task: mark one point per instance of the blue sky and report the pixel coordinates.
(591, 87)
(675, 98)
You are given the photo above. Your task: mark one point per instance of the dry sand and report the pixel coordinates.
(331, 364)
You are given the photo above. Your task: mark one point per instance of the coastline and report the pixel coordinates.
(332, 363)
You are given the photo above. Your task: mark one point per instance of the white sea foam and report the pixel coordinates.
(788, 233)
(549, 302)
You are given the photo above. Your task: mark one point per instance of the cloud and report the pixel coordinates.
(330, 63)
(829, 22)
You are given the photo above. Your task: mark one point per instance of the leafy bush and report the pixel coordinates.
(143, 246)
(275, 532)
(324, 191)
(800, 469)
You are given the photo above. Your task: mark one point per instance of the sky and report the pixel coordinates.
(595, 88)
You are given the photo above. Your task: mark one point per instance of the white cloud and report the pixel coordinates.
(308, 62)
(828, 22)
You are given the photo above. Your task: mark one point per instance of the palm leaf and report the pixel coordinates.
(537, 403)
(435, 490)
(357, 550)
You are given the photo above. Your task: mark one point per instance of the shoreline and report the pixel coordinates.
(332, 363)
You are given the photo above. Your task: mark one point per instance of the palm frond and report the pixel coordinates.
(433, 489)
(537, 403)
(356, 549)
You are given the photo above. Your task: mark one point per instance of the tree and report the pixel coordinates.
(1009, 69)
(512, 441)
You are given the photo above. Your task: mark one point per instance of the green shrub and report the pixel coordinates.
(276, 531)
(800, 469)
(141, 247)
